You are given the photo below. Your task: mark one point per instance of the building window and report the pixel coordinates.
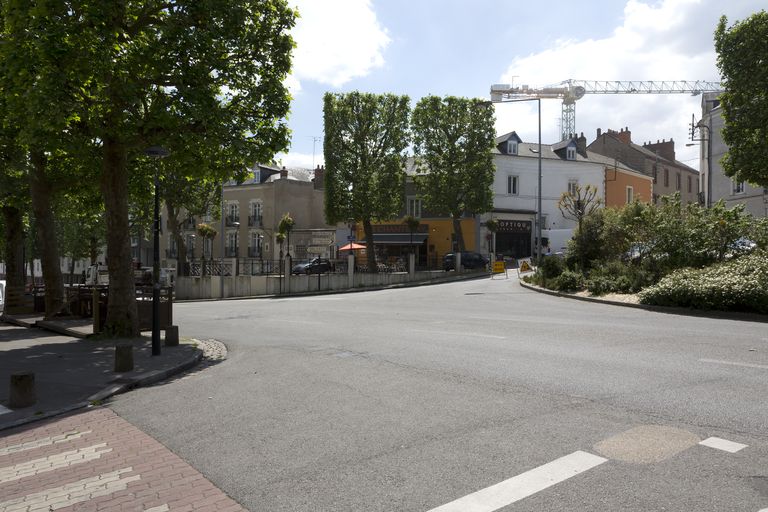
(630, 195)
(232, 244)
(570, 153)
(666, 177)
(690, 185)
(738, 187)
(678, 182)
(511, 147)
(572, 186)
(512, 182)
(413, 207)
(254, 216)
(233, 213)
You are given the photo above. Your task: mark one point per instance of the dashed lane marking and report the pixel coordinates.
(524, 485)
(45, 441)
(735, 363)
(52, 463)
(73, 493)
(723, 444)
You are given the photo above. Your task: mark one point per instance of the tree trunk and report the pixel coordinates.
(458, 234)
(181, 248)
(14, 260)
(369, 248)
(122, 317)
(42, 198)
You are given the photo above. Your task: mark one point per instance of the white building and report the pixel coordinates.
(715, 185)
(515, 191)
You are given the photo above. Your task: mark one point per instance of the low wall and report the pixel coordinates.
(209, 287)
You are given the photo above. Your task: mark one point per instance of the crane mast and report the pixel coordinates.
(572, 90)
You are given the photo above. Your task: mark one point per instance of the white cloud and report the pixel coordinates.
(300, 160)
(666, 40)
(336, 41)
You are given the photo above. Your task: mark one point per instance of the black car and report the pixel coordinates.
(469, 260)
(313, 266)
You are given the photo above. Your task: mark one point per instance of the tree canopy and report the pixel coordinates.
(452, 142)
(203, 79)
(366, 136)
(742, 51)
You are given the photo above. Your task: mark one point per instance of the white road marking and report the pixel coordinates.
(4, 410)
(723, 444)
(523, 485)
(52, 463)
(45, 441)
(735, 363)
(73, 493)
(463, 334)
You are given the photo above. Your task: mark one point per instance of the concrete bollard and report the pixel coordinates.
(124, 357)
(172, 336)
(22, 390)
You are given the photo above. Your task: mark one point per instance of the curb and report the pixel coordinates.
(717, 315)
(141, 380)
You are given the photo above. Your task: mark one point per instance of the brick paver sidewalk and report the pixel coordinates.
(93, 461)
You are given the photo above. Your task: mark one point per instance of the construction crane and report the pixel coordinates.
(571, 90)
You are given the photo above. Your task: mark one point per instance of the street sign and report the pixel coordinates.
(498, 267)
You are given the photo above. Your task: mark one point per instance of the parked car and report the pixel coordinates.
(469, 260)
(313, 266)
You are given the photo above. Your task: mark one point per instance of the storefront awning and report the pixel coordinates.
(399, 238)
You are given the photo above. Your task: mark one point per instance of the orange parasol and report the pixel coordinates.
(351, 247)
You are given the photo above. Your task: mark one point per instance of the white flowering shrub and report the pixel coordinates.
(737, 285)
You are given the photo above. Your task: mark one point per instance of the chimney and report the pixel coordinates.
(319, 179)
(283, 173)
(581, 145)
(665, 148)
(599, 133)
(625, 136)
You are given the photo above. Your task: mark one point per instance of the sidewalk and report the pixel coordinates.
(73, 372)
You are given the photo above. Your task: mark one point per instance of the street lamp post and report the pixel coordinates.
(497, 96)
(156, 152)
(708, 141)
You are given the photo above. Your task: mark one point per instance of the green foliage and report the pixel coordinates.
(452, 142)
(586, 244)
(550, 267)
(737, 285)
(618, 277)
(366, 136)
(492, 225)
(412, 223)
(286, 224)
(568, 281)
(741, 58)
(206, 231)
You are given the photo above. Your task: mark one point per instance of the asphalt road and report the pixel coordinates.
(411, 399)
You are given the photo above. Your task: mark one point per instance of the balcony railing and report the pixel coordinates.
(171, 253)
(230, 252)
(232, 219)
(254, 221)
(254, 252)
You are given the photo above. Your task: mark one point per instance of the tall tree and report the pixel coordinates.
(452, 143)
(366, 136)
(151, 72)
(741, 58)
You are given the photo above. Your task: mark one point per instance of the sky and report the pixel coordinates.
(461, 47)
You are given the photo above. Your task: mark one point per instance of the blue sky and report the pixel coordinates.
(461, 47)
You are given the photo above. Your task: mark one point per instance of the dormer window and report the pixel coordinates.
(511, 147)
(570, 153)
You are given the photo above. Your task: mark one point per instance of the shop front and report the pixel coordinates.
(514, 238)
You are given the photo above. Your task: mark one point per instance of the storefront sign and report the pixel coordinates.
(398, 228)
(514, 226)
